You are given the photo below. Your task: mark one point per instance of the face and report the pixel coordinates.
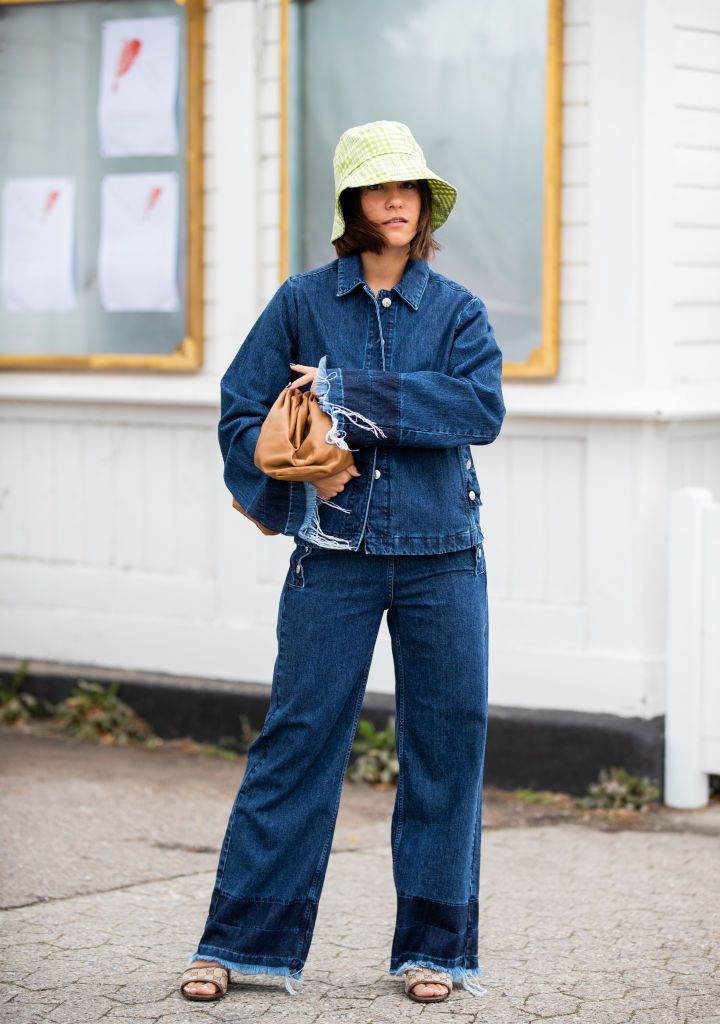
(393, 207)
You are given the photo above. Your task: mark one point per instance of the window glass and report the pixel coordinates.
(468, 78)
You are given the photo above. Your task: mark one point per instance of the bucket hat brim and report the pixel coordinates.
(397, 167)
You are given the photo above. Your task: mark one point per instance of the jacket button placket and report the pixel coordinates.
(380, 308)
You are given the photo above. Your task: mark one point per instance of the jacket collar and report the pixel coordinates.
(410, 287)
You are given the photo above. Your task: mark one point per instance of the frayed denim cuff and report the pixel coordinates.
(342, 393)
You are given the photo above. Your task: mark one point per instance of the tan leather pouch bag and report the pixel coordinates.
(292, 446)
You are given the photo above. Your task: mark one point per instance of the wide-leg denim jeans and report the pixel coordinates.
(277, 844)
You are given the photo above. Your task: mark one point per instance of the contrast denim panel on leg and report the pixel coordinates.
(438, 625)
(277, 844)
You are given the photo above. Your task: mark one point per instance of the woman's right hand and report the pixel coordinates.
(331, 485)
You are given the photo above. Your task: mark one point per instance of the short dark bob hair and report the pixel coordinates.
(361, 236)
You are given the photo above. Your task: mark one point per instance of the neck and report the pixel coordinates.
(385, 269)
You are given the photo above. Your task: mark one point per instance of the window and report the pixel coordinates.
(101, 118)
(478, 83)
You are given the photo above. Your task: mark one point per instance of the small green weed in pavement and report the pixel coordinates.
(616, 787)
(535, 796)
(95, 712)
(217, 750)
(376, 763)
(232, 746)
(16, 706)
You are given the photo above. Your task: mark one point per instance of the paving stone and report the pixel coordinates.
(576, 925)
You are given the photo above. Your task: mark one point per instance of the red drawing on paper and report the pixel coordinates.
(52, 198)
(153, 197)
(128, 56)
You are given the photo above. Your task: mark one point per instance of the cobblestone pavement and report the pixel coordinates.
(108, 862)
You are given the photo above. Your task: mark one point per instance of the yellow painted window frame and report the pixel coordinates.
(189, 352)
(544, 359)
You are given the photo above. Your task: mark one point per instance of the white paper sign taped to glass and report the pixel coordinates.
(138, 242)
(38, 217)
(138, 87)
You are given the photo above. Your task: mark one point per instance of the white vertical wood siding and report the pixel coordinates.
(696, 190)
(574, 240)
(118, 543)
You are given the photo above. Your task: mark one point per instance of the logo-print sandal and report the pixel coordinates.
(209, 973)
(426, 976)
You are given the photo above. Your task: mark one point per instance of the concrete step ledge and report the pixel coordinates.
(543, 748)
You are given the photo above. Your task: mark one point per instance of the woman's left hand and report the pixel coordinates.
(309, 373)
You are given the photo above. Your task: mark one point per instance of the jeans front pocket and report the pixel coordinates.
(296, 573)
(480, 569)
(475, 559)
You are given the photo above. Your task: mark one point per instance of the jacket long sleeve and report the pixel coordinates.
(248, 388)
(422, 408)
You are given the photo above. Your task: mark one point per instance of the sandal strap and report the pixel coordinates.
(215, 975)
(426, 975)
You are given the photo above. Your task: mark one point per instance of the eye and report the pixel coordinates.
(372, 187)
(409, 184)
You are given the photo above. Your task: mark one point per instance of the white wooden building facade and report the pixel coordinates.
(118, 543)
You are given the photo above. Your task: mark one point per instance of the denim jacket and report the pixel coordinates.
(410, 378)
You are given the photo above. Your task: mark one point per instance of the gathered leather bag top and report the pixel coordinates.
(292, 444)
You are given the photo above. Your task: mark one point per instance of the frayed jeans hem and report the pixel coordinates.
(469, 976)
(243, 967)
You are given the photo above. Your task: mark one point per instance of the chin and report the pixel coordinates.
(398, 243)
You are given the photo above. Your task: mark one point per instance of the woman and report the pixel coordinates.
(405, 363)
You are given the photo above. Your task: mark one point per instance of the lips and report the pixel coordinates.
(396, 220)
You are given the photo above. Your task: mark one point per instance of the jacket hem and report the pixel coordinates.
(400, 545)
(378, 544)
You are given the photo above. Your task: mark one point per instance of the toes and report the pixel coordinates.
(430, 989)
(199, 988)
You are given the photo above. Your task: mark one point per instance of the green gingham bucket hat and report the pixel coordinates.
(385, 151)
